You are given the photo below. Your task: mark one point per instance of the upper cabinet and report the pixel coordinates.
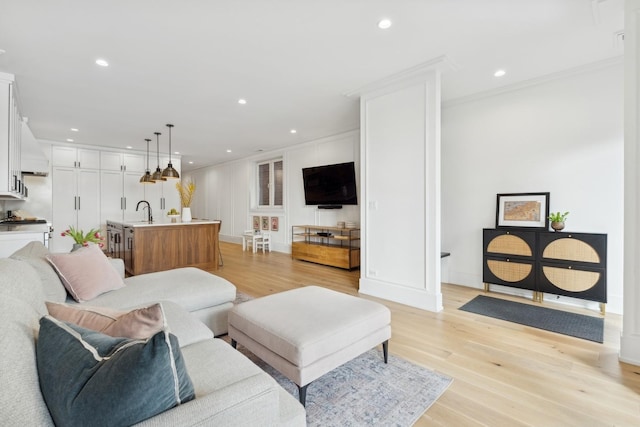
(71, 157)
(11, 186)
(124, 162)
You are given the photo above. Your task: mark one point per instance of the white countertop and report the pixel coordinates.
(162, 222)
(25, 228)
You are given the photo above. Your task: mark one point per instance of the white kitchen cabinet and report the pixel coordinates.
(10, 134)
(124, 162)
(71, 157)
(163, 196)
(120, 192)
(75, 202)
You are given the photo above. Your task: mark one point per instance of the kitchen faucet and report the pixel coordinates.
(148, 207)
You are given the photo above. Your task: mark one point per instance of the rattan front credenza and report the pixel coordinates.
(559, 263)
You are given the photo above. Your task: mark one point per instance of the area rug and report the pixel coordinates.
(365, 391)
(576, 325)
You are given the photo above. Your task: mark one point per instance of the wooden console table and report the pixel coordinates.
(337, 247)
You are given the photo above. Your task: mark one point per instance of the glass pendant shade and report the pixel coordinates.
(170, 172)
(146, 178)
(157, 175)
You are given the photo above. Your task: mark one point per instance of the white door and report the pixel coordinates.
(110, 161)
(64, 156)
(88, 159)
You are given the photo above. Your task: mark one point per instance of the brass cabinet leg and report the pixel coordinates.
(603, 308)
(486, 287)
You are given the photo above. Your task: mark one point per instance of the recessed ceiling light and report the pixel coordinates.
(242, 101)
(176, 152)
(500, 73)
(74, 130)
(101, 62)
(383, 24)
(129, 147)
(191, 162)
(228, 151)
(69, 140)
(2, 51)
(293, 131)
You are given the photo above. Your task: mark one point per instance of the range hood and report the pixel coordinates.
(32, 160)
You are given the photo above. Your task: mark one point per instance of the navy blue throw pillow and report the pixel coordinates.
(88, 378)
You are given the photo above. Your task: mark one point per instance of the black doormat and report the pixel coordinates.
(572, 324)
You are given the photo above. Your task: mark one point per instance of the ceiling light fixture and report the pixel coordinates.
(383, 24)
(170, 172)
(69, 140)
(228, 151)
(242, 101)
(191, 162)
(500, 73)
(146, 178)
(128, 147)
(293, 131)
(101, 62)
(157, 175)
(74, 130)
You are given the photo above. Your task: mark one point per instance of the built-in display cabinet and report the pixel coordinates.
(559, 263)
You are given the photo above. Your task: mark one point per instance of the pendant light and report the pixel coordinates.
(170, 172)
(146, 178)
(157, 175)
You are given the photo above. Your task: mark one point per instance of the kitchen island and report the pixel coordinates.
(164, 245)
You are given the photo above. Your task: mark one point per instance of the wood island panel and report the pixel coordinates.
(167, 247)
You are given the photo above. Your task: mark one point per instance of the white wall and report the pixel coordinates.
(564, 136)
(228, 191)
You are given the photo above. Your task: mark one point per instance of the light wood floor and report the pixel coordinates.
(504, 374)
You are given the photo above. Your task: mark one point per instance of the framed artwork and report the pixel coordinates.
(265, 223)
(256, 223)
(525, 210)
(274, 223)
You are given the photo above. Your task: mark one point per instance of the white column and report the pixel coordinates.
(630, 340)
(400, 187)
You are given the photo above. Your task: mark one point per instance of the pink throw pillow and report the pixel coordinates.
(141, 323)
(86, 273)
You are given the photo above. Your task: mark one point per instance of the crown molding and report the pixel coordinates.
(406, 77)
(582, 69)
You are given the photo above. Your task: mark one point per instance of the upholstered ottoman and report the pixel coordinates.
(305, 333)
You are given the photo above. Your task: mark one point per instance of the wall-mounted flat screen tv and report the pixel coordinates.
(330, 185)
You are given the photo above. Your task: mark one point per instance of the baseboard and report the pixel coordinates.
(630, 349)
(401, 294)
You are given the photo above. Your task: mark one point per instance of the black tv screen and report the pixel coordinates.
(330, 184)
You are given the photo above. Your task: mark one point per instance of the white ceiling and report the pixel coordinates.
(188, 62)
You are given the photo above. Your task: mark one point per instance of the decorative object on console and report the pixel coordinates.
(557, 220)
(146, 178)
(170, 172)
(525, 210)
(157, 175)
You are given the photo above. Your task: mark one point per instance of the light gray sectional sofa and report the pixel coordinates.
(229, 388)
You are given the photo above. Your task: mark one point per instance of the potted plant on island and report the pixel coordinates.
(557, 220)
